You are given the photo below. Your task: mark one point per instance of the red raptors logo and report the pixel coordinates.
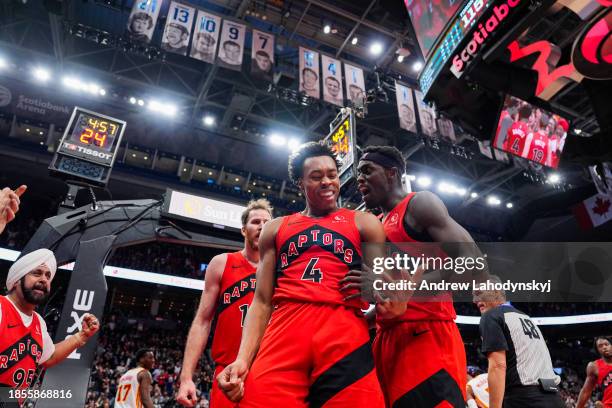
(592, 51)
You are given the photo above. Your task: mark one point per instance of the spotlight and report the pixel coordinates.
(400, 58)
(492, 200)
(132, 100)
(236, 179)
(102, 92)
(41, 74)
(461, 191)
(474, 194)
(277, 140)
(509, 205)
(417, 66)
(376, 49)
(554, 178)
(293, 144)
(3, 63)
(28, 130)
(424, 181)
(354, 41)
(209, 120)
(140, 102)
(327, 29)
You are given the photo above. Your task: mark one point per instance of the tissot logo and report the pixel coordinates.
(87, 151)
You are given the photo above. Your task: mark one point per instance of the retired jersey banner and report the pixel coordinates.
(262, 55)
(405, 107)
(309, 73)
(205, 37)
(332, 80)
(427, 115)
(143, 18)
(355, 84)
(178, 28)
(446, 129)
(232, 45)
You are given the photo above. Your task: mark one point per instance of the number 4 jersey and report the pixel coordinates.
(313, 255)
(235, 297)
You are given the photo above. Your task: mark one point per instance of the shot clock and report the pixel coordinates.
(342, 140)
(88, 147)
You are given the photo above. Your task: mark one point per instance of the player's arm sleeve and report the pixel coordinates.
(48, 345)
(492, 332)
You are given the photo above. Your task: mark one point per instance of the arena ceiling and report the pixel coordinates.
(87, 37)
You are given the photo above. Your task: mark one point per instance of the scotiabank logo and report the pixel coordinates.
(483, 31)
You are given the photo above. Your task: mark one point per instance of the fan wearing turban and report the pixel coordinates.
(24, 341)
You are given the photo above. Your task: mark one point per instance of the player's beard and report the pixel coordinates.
(253, 244)
(31, 297)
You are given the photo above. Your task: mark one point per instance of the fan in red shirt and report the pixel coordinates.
(420, 356)
(315, 351)
(228, 292)
(516, 135)
(599, 373)
(24, 341)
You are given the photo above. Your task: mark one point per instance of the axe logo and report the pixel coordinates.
(83, 301)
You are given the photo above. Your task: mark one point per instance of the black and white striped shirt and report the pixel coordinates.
(527, 356)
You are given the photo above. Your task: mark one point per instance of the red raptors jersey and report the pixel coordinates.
(235, 297)
(20, 347)
(604, 380)
(538, 149)
(313, 255)
(439, 307)
(516, 137)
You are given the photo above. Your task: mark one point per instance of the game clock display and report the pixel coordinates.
(88, 147)
(342, 141)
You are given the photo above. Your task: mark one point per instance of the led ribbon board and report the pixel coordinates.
(89, 146)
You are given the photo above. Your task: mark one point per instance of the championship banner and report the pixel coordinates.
(232, 45)
(355, 84)
(262, 55)
(309, 73)
(143, 18)
(178, 28)
(427, 115)
(332, 81)
(405, 107)
(447, 130)
(205, 37)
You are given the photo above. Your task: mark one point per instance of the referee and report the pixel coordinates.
(520, 370)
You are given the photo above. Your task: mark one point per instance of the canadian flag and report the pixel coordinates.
(594, 211)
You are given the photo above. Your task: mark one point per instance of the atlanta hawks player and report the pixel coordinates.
(228, 292)
(134, 388)
(315, 351)
(599, 373)
(517, 133)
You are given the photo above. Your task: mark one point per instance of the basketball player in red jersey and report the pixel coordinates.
(517, 133)
(420, 356)
(537, 145)
(228, 291)
(315, 351)
(599, 373)
(25, 343)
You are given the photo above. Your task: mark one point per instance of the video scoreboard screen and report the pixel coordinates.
(88, 147)
(342, 140)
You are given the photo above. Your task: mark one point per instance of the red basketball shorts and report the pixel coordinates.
(313, 355)
(421, 364)
(217, 397)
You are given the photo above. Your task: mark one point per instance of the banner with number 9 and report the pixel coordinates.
(231, 46)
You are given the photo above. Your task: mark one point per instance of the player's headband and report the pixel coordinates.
(381, 159)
